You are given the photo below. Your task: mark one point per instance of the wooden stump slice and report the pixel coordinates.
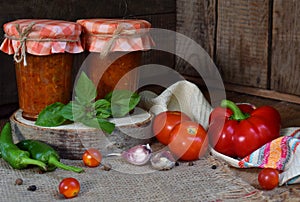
(71, 140)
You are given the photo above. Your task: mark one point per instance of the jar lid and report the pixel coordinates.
(40, 37)
(105, 35)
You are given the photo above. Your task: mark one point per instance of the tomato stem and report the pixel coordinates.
(237, 113)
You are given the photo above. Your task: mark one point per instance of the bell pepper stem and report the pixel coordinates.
(237, 113)
(53, 161)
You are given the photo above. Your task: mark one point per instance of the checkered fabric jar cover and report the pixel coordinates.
(41, 37)
(108, 35)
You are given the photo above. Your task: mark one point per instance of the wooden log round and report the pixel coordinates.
(71, 140)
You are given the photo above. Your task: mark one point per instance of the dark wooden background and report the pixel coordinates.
(255, 44)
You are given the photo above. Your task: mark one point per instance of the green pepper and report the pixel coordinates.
(15, 157)
(43, 152)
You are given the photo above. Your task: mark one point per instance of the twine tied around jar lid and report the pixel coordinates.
(23, 37)
(120, 31)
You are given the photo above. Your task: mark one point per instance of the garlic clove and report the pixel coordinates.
(138, 155)
(163, 160)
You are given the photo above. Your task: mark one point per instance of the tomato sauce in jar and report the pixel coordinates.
(42, 83)
(124, 41)
(120, 74)
(42, 50)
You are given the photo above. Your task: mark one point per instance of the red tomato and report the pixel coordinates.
(92, 157)
(188, 141)
(164, 122)
(268, 178)
(69, 187)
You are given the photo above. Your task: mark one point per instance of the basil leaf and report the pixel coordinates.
(102, 108)
(103, 124)
(93, 122)
(66, 112)
(51, 116)
(122, 102)
(72, 111)
(102, 103)
(106, 126)
(85, 90)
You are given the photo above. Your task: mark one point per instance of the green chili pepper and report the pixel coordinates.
(43, 152)
(14, 156)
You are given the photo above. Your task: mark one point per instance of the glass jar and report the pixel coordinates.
(115, 47)
(117, 72)
(43, 61)
(44, 81)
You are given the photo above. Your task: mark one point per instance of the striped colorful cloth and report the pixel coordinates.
(282, 154)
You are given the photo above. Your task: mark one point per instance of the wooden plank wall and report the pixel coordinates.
(196, 19)
(285, 74)
(242, 41)
(161, 14)
(255, 44)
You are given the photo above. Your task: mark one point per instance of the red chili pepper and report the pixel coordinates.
(237, 134)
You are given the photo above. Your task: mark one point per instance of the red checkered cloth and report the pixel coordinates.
(105, 35)
(41, 37)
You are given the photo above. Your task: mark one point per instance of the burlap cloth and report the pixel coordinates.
(183, 183)
(126, 182)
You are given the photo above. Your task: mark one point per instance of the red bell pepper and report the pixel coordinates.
(237, 134)
(221, 111)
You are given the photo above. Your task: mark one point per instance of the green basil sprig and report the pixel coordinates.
(86, 110)
(53, 112)
(122, 102)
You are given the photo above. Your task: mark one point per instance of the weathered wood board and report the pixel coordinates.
(242, 42)
(255, 44)
(196, 20)
(285, 71)
(163, 21)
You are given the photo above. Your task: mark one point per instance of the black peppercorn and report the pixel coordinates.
(31, 188)
(213, 167)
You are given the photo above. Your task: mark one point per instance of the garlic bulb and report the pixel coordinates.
(163, 160)
(138, 155)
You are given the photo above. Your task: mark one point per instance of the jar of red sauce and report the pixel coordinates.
(115, 47)
(43, 53)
